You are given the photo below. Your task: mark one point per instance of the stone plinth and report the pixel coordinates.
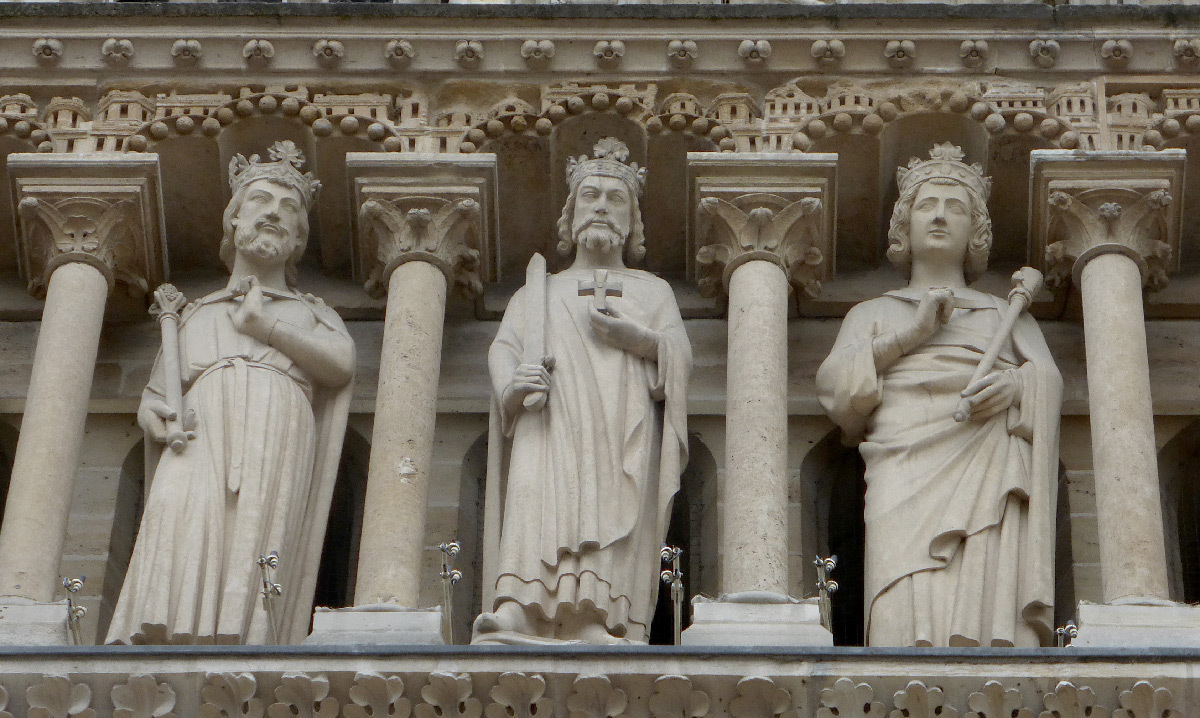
(750, 622)
(380, 624)
(1150, 626)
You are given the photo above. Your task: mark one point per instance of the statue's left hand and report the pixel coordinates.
(623, 333)
(250, 317)
(993, 394)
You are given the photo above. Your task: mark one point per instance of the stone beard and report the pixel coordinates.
(959, 516)
(258, 476)
(590, 477)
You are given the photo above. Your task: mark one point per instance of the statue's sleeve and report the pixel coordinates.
(1039, 377)
(505, 354)
(674, 364)
(848, 386)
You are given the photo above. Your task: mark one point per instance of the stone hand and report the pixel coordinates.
(933, 311)
(250, 317)
(625, 334)
(993, 394)
(153, 416)
(527, 379)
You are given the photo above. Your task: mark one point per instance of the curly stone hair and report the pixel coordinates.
(899, 250)
(635, 244)
(228, 251)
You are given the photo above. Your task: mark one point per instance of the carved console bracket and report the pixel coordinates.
(1083, 204)
(781, 208)
(424, 207)
(103, 209)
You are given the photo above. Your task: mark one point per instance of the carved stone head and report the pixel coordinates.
(944, 168)
(610, 174)
(268, 213)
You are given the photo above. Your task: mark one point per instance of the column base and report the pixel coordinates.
(30, 623)
(377, 624)
(1158, 624)
(756, 618)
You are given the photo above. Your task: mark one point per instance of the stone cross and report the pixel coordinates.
(600, 289)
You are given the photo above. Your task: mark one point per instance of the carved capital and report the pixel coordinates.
(779, 208)
(1084, 204)
(429, 208)
(101, 209)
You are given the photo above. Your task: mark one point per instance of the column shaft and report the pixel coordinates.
(47, 457)
(1133, 560)
(393, 528)
(754, 549)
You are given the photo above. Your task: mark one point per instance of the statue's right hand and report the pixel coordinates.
(528, 379)
(934, 310)
(153, 416)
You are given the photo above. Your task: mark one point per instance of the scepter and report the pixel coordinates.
(1027, 282)
(167, 302)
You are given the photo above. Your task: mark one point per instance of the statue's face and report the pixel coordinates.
(940, 224)
(267, 225)
(603, 214)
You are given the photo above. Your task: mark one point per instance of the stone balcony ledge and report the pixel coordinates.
(580, 681)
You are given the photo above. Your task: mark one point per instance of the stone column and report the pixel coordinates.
(763, 227)
(86, 223)
(422, 225)
(1109, 223)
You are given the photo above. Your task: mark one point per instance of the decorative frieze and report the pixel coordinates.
(103, 210)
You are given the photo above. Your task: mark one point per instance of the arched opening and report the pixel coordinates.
(467, 598)
(693, 528)
(339, 555)
(127, 517)
(1179, 467)
(831, 475)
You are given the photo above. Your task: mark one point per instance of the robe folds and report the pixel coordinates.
(258, 477)
(959, 516)
(586, 483)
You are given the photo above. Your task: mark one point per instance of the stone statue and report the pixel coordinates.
(266, 374)
(589, 373)
(959, 513)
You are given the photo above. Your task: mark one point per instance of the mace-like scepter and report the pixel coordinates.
(167, 302)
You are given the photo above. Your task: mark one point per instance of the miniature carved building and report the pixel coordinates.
(118, 120)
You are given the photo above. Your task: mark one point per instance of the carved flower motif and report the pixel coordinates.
(754, 52)
(1110, 211)
(609, 52)
(828, 52)
(973, 52)
(468, 53)
(186, 52)
(1044, 53)
(258, 51)
(142, 697)
(56, 697)
(1116, 53)
(1187, 52)
(537, 52)
(1059, 199)
(681, 53)
(900, 53)
(117, 52)
(399, 52)
(47, 50)
(328, 52)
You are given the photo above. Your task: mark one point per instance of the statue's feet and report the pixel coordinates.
(509, 617)
(597, 634)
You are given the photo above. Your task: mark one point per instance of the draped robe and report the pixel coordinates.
(959, 516)
(258, 477)
(589, 479)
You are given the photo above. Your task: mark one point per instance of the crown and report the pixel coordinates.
(945, 162)
(610, 160)
(283, 169)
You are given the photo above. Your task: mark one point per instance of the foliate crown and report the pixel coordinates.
(945, 162)
(284, 169)
(611, 159)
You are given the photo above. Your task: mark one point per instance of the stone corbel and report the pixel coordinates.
(417, 207)
(1092, 203)
(101, 209)
(774, 207)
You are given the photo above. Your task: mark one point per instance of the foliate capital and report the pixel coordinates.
(428, 208)
(1088, 204)
(775, 208)
(103, 210)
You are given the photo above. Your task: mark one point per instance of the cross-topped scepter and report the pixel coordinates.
(600, 289)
